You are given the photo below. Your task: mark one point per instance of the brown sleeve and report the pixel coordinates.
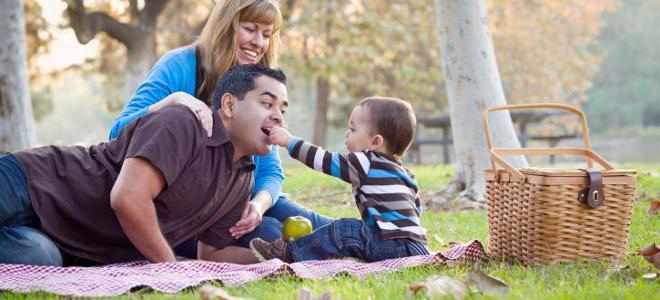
(167, 139)
(218, 234)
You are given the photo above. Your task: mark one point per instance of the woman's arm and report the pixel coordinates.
(268, 175)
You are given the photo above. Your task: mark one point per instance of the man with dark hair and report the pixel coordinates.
(162, 181)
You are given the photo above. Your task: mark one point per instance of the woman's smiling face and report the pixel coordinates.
(253, 40)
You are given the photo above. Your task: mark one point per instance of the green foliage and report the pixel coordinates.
(545, 49)
(625, 91)
(366, 48)
(388, 48)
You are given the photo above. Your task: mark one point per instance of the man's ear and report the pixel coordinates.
(228, 101)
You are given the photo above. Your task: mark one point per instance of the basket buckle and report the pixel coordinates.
(593, 195)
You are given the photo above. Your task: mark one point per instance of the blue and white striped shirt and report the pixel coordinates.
(385, 192)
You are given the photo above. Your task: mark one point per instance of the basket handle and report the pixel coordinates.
(565, 107)
(588, 153)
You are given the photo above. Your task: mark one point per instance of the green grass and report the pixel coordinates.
(560, 281)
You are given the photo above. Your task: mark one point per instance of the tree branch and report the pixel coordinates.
(133, 8)
(150, 12)
(86, 26)
(287, 9)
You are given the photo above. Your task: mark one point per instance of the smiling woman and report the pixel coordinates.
(237, 32)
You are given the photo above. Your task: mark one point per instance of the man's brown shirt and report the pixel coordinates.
(204, 196)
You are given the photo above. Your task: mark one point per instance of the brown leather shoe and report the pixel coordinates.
(266, 251)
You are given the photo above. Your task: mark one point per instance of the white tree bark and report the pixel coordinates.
(15, 108)
(473, 83)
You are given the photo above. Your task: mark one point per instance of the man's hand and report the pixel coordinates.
(250, 219)
(280, 136)
(132, 199)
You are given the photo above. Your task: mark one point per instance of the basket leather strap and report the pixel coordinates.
(593, 195)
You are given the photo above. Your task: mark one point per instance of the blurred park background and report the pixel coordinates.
(597, 54)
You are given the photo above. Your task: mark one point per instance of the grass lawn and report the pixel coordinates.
(564, 281)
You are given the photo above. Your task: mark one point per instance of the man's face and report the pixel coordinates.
(261, 109)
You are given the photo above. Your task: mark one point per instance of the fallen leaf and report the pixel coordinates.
(487, 284)
(306, 294)
(438, 286)
(209, 292)
(438, 239)
(651, 276)
(655, 207)
(652, 254)
(649, 250)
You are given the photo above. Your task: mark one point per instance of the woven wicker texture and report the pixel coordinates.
(538, 223)
(534, 215)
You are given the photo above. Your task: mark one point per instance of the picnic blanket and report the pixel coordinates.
(116, 279)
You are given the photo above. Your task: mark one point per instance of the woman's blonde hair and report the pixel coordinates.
(217, 42)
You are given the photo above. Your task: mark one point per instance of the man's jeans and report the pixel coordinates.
(270, 228)
(20, 240)
(351, 237)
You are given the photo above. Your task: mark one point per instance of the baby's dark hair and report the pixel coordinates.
(240, 79)
(394, 119)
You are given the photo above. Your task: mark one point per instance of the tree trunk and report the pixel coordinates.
(473, 83)
(138, 35)
(15, 109)
(321, 120)
(139, 61)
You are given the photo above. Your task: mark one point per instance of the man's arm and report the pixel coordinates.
(132, 196)
(230, 254)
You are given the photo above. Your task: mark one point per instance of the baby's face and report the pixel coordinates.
(358, 134)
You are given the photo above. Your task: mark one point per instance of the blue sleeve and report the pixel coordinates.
(174, 72)
(268, 175)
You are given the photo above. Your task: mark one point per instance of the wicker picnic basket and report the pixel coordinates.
(542, 215)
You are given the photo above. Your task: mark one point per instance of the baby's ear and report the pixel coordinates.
(377, 141)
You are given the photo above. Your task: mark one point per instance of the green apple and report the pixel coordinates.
(295, 227)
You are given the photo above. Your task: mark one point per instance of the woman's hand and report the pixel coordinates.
(250, 219)
(203, 113)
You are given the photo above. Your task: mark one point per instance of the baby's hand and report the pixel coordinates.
(280, 136)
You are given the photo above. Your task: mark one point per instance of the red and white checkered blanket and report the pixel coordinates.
(116, 279)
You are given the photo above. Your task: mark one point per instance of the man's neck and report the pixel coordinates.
(238, 153)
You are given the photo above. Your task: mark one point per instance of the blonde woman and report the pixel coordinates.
(237, 32)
